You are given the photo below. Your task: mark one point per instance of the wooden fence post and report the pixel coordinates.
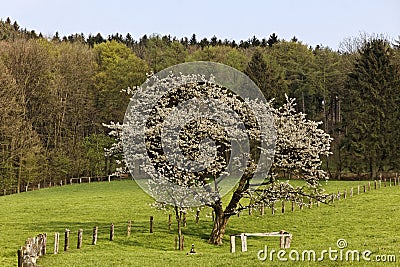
(44, 244)
(262, 209)
(390, 181)
(345, 194)
(358, 189)
(351, 192)
(338, 195)
(233, 244)
(283, 206)
(380, 183)
(369, 186)
(129, 228)
(364, 188)
(197, 215)
(243, 238)
(273, 208)
(112, 232)
(80, 232)
(94, 239)
(293, 204)
(151, 224)
(374, 184)
(384, 182)
(56, 242)
(310, 203)
(66, 239)
(20, 257)
(282, 239)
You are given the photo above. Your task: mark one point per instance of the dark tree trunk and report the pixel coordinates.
(371, 168)
(220, 223)
(217, 234)
(222, 216)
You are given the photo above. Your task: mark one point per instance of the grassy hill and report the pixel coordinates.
(366, 221)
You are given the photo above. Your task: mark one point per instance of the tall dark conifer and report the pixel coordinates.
(268, 76)
(273, 39)
(372, 110)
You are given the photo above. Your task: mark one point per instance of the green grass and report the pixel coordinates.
(366, 221)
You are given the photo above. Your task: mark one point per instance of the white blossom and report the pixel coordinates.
(297, 150)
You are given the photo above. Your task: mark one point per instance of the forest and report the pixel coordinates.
(56, 93)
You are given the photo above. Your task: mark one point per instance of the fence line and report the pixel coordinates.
(361, 188)
(62, 182)
(35, 247)
(109, 178)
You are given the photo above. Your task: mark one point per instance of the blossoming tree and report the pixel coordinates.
(197, 139)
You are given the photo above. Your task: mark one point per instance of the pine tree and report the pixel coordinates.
(268, 76)
(204, 43)
(371, 110)
(273, 39)
(214, 40)
(193, 40)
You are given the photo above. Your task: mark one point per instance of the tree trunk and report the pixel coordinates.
(371, 168)
(178, 216)
(218, 231)
(222, 216)
(220, 223)
(19, 173)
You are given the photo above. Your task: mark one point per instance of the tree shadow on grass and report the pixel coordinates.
(161, 238)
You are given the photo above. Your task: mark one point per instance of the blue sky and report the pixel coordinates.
(313, 22)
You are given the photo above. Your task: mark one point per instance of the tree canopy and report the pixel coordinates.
(57, 91)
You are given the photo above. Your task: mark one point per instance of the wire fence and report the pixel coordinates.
(62, 182)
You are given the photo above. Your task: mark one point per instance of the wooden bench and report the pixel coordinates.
(285, 239)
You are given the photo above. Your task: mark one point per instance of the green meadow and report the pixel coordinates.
(368, 221)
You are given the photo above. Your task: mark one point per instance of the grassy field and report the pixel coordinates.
(367, 221)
